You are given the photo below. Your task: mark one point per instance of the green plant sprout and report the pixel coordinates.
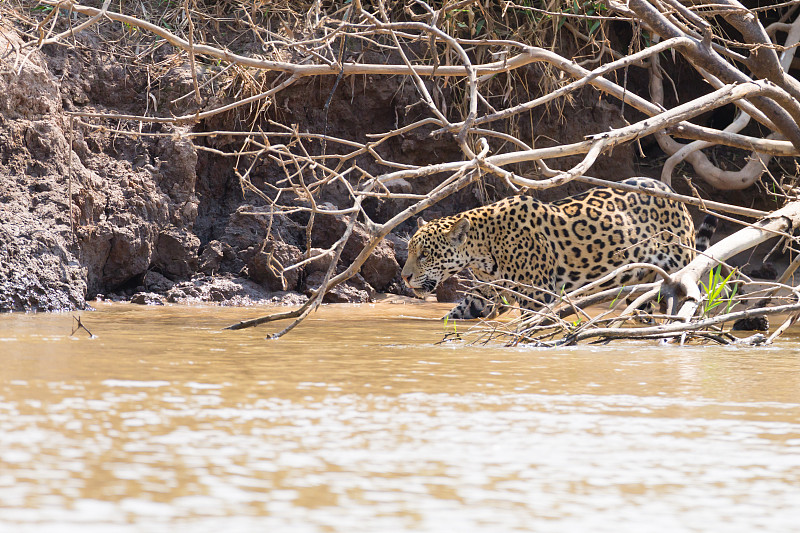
(455, 326)
(719, 290)
(614, 301)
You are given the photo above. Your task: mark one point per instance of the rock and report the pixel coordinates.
(228, 290)
(344, 293)
(245, 229)
(381, 267)
(217, 257)
(147, 298)
(37, 272)
(358, 283)
(155, 282)
(211, 257)
(319, 265)
(95, 247)
(354, 290)
(120, 211)
(452, 289)
(399, 287)
(400, 245)
(266, 266)
(400, 186)
(217, 295)
(176, 253)
(120, 214)
(130, 253)
(378, 270)
(313, 281)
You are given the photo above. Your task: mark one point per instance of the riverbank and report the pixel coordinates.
(105, 194)
(121, 210)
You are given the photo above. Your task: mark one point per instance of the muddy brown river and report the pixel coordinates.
(358, 422)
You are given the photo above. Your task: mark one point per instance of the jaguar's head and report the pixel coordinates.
(435, 252)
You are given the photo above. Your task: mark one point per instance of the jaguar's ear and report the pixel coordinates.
(420, 222)
(458, 233)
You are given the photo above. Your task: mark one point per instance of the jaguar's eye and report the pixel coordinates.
(422, 255)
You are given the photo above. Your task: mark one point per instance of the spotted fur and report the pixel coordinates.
(543, 249)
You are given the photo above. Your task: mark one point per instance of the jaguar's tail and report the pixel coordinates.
(702, 239)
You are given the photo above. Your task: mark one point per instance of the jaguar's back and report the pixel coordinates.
(542, 250)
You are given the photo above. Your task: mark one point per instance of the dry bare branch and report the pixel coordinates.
(467, 93)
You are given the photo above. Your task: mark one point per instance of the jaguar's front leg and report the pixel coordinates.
(481, 302)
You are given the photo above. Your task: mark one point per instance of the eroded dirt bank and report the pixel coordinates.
(155, 219)
(134, 203)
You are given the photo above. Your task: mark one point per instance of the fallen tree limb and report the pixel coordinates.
(670, 330)
(781, 221)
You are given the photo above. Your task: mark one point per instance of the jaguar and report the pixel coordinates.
(542, 250)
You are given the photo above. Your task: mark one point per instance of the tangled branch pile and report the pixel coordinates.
(465, 61)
